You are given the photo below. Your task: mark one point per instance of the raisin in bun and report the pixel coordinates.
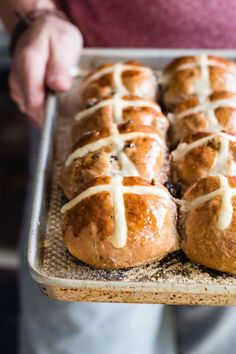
(127, 150)
(118, 109)
(120, 222)
(197, 76)
(124, 78)
(208, 223)
(204, 154)
(216, 113)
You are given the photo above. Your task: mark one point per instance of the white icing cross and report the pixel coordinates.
(117, 191)
(197, 63)
(221, 161)
(118, 141)
(208, 107)
(116, 70)
(118, 103)
(226, 211)
(202, 86)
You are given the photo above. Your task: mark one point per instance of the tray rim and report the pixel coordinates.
(38, 187)
(152, 52)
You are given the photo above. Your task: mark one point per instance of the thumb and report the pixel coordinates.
(58, 76)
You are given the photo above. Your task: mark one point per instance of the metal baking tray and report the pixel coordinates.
(173, 280)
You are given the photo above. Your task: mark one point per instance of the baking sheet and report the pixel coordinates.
(173, 280)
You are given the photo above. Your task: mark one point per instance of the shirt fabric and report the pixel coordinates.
(154, 23)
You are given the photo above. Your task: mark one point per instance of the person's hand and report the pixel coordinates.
(43, 58)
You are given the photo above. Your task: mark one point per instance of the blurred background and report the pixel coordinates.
(14, 145)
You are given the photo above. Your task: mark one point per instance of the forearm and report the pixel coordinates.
(8, 9)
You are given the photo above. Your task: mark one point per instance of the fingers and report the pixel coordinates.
(63, 55)
(43, 58)
(31, 79)
(15, 95)
(27, 81)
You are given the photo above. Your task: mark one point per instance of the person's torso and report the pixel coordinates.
(155, 23)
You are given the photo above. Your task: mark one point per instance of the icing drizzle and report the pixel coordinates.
(208, 107)
(117, 191)
(200, 61)
(118, 141)
(118, 103)
(226, 210)
(116, 70)
(221, 162)
(202, 87)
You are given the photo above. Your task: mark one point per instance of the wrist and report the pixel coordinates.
(8, 8)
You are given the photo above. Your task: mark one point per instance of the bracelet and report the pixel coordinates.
(26, 20)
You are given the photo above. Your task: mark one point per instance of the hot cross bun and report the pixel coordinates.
(204, 154)
(208, 223)
(118, 222)
(124, 78)
(197, 76)
(216, 113)
(117, 110)
(127, 150)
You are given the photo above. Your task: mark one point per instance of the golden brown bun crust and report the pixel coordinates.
(145, 153)
(104, 117)
(170, 68)
(88, 226)
(202, 242)
(198, 162)
(197, 122)
(137, 82)
(181, 84)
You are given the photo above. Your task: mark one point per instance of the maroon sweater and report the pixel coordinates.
(155, 23)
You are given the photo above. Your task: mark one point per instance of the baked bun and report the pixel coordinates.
(208, 222)
(197, 76)
(126, 149)
(120, 222)
(124, 78)
(119, 109)
(204, 154)
(216, 113)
